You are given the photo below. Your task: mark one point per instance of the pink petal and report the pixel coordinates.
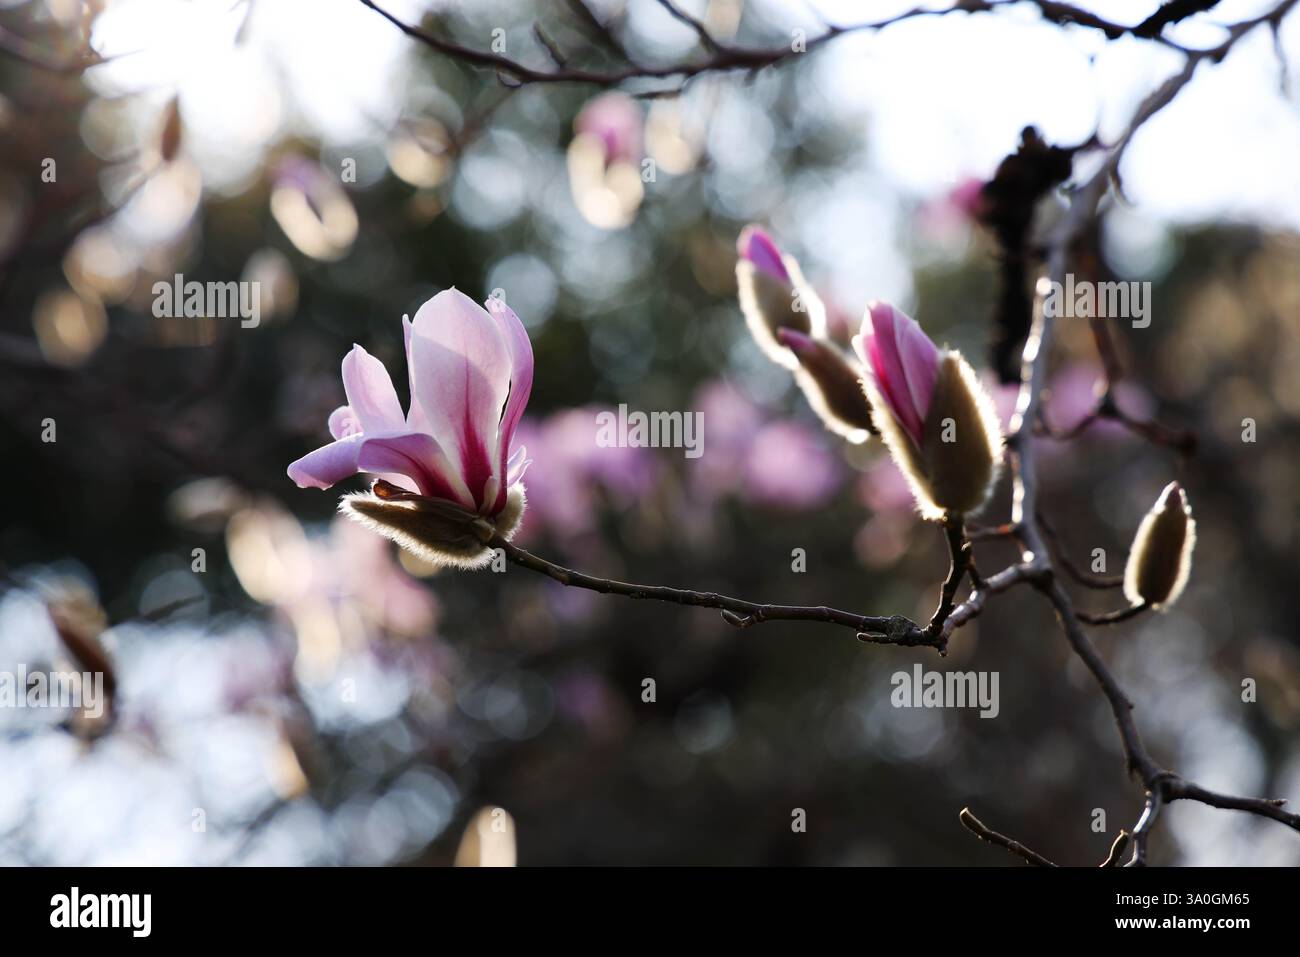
(461, 368)
(343, 422)
(879, 342)
(795, 341)
(517, 466)
(418, 457)
(370, 392)
(757, 246)
(327, 465)
(920, 361)
(521, 386)
(416, 420)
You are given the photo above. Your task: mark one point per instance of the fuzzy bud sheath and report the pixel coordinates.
(1160, 560)
(831, 382)
(774, 295)
(942, 427)
(435, 531)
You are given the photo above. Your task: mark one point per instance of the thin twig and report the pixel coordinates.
(1117, 849)
(1112, 617)
(985, 833)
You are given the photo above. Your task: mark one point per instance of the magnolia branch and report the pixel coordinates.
(1162, 786)
(889, 630)
(985, 833)
(722, 56)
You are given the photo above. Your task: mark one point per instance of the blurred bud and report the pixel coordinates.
(489, 840)
(98, 267)
(313, 210)
(169, 138)
(775, 296)
(615, 120)
(434, 530)
(80, 621)
(604, 161)
(419, 153)
(671, 138)
(1161, 557)
(276, 280)
(942, 428)
(69, 327)
(206, 504)
(832, 383)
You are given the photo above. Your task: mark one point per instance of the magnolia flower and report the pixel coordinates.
(942, 428)
(448, 479)
(774, 295)
(1160, 560)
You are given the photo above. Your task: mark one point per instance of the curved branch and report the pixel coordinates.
(888, 630)
(724, 57)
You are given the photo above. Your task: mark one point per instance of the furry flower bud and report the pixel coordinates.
(434, 530)
(774, 295)
(939, 422)
(832, 383)
(1161, 557)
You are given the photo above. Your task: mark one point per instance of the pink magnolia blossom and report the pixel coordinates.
(942, 426)
(470, 371)
(756, 246)
(902, 362)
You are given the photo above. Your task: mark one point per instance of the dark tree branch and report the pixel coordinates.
(1112, 617)
(1062, 561)
(889, 630)
(984, 833)
(1122, 841)
(1161, 785)
(959, 551)
(722, 57)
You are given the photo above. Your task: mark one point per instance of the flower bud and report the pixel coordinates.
(941, 426)
(775, 296)
(1161, 557)
(832, 383)
(432, 529)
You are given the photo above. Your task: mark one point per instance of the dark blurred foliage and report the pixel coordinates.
(527, 697)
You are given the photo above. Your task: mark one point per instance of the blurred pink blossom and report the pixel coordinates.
(565, 496)
(789, 466)
(616, 120)
(1073, 394)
